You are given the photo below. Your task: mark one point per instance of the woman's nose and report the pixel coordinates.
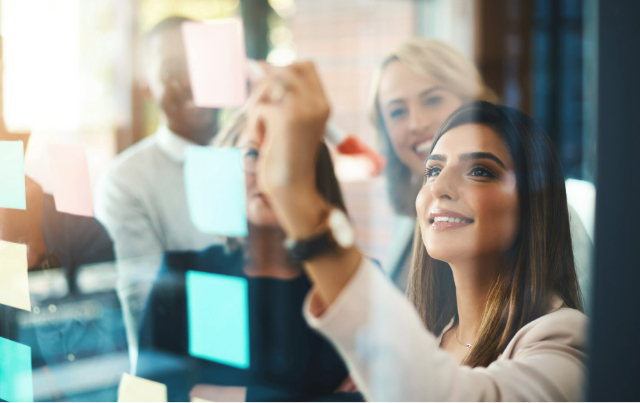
(419, 121)
(445, 186)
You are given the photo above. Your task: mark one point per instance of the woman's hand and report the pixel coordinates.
(289, 110)
(291, 113)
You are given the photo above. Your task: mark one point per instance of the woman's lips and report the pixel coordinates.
(448, 225)
(442, 219)
(423, 147)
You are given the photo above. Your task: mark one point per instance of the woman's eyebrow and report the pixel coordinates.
(422, 94)
(481, 156)
(251, 143)
(436, 157)
(430, 90)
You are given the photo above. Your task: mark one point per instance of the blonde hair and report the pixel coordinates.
(440, 63)
(230, 133)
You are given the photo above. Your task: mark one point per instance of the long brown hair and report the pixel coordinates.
(538, 268)
(439, 62)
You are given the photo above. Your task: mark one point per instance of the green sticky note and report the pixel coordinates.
(12, 182)
(215, 187)
(16, 382)
(218, 311)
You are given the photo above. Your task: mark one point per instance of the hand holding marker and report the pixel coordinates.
(346, 144)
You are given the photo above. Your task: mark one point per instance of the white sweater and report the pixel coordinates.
(392, 357)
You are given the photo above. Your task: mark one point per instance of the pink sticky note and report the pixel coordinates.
(217, 62)
(71, 184)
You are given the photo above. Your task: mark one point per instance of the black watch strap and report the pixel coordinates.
(309, 248)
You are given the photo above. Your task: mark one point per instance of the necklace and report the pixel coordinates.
(455, 333)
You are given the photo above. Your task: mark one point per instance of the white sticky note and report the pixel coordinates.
(216, 192)
(134, 389)
(217, 62)
(71, 183)
(14, 280)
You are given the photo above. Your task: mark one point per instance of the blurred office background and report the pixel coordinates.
(70, 73)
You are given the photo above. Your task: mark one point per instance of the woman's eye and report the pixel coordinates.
(478, 171)
(396, 113)
(432, 101)
(431, 172)
(251, 154)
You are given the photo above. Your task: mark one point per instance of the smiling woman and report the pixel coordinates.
(495, 166)
(419, 84)
(502, 278)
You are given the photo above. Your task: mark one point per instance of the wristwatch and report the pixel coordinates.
(335, 234)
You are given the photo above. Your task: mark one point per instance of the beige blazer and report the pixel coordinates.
(392, 357)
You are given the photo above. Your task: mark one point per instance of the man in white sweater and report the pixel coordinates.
(141, 200)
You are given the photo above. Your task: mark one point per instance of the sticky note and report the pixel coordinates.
(14, 280)
(12, 181)
(215, 188)
(218, 312)
(134, 389)
(16, 381)
(71, 183)
(217, 62)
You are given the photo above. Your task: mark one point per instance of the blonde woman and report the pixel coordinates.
(418, 85)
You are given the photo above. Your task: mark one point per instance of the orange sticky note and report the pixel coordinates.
(14, 280)
(71, 184)
(217, 62)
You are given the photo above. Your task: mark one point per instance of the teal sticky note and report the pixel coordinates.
(16, 381)
(12, 182)
(218, 312)
(215, 188)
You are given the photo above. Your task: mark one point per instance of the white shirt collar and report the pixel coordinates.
(172, 144)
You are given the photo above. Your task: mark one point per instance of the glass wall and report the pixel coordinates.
(148, 251)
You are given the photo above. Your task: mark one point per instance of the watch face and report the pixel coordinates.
(341, 228)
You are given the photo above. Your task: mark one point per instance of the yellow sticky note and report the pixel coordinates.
(14, 280)
(134, 389)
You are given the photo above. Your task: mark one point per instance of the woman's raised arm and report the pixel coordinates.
(290, 112)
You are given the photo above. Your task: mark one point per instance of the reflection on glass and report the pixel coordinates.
(111, 295)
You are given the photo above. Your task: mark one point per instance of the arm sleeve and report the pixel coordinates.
(121, 209)
(392, 357)
(138, 249)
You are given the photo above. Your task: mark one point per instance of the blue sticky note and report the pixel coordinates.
(215, 187)
(16, 382)
(218, 311)
(12, 182)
